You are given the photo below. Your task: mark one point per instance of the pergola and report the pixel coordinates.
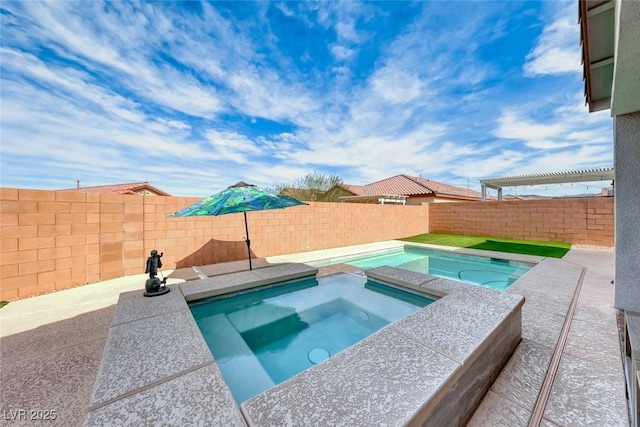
(604, 174)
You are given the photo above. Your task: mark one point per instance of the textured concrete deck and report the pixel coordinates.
(588, 389)
(51, 348)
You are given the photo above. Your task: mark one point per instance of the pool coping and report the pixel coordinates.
(531, 259)
(325, 256)
(443, 369)
(154, 347)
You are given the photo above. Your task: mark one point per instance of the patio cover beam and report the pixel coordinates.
(588, 175)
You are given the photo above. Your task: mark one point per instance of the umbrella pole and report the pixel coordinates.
(246, 227)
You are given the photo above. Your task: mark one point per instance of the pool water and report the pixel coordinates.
(492, 273)
(266, 336)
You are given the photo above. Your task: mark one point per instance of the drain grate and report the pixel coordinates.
(318, 354)
(545, 391)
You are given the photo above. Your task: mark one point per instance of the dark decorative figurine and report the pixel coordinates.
(155, 286)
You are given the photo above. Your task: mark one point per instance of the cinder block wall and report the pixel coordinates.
(52, 240)
(588, 221)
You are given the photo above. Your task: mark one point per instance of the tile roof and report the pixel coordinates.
(129, 188)
(308, 194)
(406, 185)
(357, 190)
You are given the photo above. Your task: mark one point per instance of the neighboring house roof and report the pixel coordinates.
(307, 194)
(135, 188)
(357, 190)
(411, 186)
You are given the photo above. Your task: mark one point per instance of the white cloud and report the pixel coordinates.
(560, 142)
(267, 176)
(265, 95)
(591, 156)
(78, 136)
(494, 163)
(342, 17)
(346, 31)
(193, 102)
(557, 50)
(72, 83)
(396, 86)
(231, 146)
(177, 124)
(534, 135)
(564, 126)
(341, 52)
(282, 7)
(115, 47)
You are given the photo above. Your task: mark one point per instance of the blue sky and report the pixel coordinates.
(194, 97)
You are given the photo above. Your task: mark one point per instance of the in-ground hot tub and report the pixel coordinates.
(260, 338)
(431, 368)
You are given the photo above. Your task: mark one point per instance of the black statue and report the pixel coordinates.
(153, 263)
(155, 286)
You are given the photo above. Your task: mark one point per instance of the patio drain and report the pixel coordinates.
(545, 391)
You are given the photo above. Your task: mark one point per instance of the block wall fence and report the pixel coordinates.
(52, 240)
(586, 221)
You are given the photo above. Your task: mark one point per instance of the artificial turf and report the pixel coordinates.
(527, 247)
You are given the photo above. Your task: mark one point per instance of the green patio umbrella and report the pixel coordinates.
(240, 197)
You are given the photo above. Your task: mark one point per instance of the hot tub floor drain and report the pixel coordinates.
(318, 354)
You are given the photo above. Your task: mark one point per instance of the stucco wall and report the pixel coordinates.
(53, 240)
(627, 188)
(580, 221)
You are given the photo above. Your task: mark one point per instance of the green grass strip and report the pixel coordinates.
(527, 247)
(3, 303)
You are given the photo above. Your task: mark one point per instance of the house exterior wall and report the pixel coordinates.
(586, 221)
(446, 200)
(627, 190)
(52, 240)
(417, 200)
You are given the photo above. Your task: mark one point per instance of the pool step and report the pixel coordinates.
(235, 359)
(258, 316)
(420, 265)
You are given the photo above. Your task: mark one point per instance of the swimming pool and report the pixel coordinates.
(491, 273)
(263, 337)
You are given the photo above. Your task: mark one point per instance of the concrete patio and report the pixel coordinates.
(588, 388)
(52, 345)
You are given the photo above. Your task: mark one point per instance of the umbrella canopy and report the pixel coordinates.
(240, 197)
